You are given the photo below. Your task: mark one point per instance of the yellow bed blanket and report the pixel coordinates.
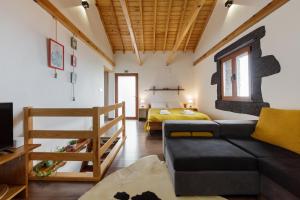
(175, 114)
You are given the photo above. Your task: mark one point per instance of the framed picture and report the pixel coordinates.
(73, 60)
(73, 43)
(55, 55)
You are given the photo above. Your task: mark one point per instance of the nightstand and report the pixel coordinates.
(143, 113)
(193, 109)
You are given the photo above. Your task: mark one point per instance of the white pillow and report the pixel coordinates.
(174, 104)
(158, 105)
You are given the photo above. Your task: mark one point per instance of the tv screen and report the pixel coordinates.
(6, 125)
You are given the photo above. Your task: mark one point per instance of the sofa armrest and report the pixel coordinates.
(236, 128)
(170, 126)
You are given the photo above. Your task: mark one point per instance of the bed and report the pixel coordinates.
(155, 119)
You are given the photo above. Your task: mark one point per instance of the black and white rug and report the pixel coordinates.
(146, 179)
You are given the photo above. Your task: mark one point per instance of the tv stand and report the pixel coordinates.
(14, 171)
(7, 151)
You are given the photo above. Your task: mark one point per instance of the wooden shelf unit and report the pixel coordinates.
(154, 89)
(94, 135)
(13, 172)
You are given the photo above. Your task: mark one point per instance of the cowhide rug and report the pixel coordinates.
(146, 179)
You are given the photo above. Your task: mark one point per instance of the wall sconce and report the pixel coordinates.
(228, 3)
(85, 4)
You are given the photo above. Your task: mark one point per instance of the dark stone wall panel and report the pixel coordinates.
(260, 67)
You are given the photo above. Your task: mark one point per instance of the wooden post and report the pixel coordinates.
(96, 143)
(123, 120)
(27, 126)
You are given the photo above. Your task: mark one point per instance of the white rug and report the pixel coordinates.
(147, 174)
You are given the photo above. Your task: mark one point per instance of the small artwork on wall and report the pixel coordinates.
(73, 43)
(73, 60)
(55, 55)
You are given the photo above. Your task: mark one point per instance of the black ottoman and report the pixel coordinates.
(210, 167)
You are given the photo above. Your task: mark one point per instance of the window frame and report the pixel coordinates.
(233, 56)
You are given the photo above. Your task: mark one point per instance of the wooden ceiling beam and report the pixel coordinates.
(59, 16)
(261, 14)
(130, 29)
(189, 36)
(205, 25)
(167, 23)
(185, 30)
(181, 21)
(117, 24)
(142, 24)
(105, 29)
(154, 25)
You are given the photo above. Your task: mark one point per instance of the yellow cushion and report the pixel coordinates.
(280, 128)
(180, 134)
(202, 134)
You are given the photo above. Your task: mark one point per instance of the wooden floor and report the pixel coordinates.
(138, 144)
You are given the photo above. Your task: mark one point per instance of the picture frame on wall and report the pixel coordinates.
(73, 43)
(55, 55)
(73, 61)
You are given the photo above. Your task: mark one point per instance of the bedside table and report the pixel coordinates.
(193, 109)
(143, 114)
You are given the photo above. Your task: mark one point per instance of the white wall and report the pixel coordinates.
(281, 40)
(154, 72)
(25, 78)
(88, 21)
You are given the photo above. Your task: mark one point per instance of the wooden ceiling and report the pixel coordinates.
(157, 24)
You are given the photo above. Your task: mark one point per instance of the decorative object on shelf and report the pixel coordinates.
(47, 167)
(73, 61)
(73, 43)
(55, 55)
(154, 89)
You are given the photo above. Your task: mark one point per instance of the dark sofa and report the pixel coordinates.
(230, 162)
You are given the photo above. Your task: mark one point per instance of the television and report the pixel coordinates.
(6, 125)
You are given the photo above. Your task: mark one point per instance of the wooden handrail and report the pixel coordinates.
(93, 135)
(60, 112)
(57, 134)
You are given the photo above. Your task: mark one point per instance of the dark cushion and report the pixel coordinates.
(284, 171)
(236, 128)
(262, 149)
(190, 154)
(170, 126)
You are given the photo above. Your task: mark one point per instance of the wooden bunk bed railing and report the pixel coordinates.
(118, 137)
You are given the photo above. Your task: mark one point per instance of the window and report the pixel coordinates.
(236, 79)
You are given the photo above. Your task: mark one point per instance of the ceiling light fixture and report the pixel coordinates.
(85, 4)
(228, 3)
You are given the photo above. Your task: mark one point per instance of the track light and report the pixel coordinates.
(228, 3)
(85, 4)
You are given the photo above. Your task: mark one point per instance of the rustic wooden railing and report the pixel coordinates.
(94, 135)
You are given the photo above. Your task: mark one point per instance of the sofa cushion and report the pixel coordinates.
(280, 128)
(284, 171)
(262, 149)
(236, 128)
(192, 154)
(170, 126)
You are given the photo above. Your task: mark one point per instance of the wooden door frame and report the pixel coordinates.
(117, 75)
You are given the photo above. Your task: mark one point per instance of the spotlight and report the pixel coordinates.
(85, 4)
(228, 3)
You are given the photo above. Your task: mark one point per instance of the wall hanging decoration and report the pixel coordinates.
(55, 55)
(73, 60)
(73, 75)
(260, 66)
(74, 43)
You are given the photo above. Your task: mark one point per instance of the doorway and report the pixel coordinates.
(126, 89)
